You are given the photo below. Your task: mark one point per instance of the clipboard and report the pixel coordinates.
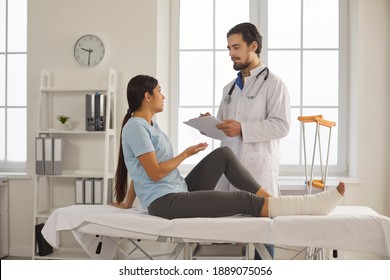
(207, 126)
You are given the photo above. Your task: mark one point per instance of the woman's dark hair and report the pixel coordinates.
(249, 34)
(136, 89)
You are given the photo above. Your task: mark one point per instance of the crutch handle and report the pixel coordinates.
(317, 184)
(305, 119)
(326, 123)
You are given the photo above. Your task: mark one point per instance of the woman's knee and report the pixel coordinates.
(224, 151)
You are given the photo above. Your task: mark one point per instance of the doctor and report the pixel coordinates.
(255, 110)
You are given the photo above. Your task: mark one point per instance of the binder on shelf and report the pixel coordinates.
(39, 156)
(57, 156)
(90, 112)
(80, 191)
(98, 186)
(109, 191)
(44, 248)
(100, 105)
(95, 107)
(88, 191)
(48, 152)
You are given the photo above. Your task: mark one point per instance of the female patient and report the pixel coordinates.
(147, 155)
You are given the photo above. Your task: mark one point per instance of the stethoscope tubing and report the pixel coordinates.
(228, 98)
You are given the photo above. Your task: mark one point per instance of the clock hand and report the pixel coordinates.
(89, 56)
(89, 50)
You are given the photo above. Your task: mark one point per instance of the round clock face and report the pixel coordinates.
(89, 50)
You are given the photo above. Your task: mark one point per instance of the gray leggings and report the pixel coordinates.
(202, 200)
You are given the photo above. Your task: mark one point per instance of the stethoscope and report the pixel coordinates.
(228, 98)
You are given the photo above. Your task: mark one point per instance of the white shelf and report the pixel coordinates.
(58, 131)
(81, 173)
(85, 154)
(43, 214)
(65, 254)
(71, 90)
(76, 131)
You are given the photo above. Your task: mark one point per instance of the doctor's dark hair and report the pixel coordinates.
(136, 89)
(249, 34)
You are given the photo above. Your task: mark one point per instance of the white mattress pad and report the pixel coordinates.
(351, 228)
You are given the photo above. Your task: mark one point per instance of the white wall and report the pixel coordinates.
(387, 155)
(137, 37)
(369, 94)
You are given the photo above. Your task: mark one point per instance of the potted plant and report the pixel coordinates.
(63, 120)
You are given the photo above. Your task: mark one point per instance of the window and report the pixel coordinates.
(303, 43)
(306, 51)
(204, 63)
(13, 77)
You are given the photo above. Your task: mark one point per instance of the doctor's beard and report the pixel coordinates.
(240, 66)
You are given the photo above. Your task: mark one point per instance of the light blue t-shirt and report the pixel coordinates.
(138, 138)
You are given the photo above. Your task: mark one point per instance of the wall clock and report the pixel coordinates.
(89, 50)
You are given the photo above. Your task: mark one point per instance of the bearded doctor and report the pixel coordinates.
(255, 110)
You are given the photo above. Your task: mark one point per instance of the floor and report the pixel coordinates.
(15, 258)
(281, 253)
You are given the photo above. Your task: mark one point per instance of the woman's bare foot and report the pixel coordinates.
(341, 188)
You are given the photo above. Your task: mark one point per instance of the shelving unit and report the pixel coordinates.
(85, 154)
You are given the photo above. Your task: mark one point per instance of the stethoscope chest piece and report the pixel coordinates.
(228, 99)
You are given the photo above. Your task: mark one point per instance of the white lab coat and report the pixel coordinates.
(264, 120)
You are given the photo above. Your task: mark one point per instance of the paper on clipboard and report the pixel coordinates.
(207, 126)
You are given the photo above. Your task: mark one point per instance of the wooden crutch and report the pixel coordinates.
(318, 119)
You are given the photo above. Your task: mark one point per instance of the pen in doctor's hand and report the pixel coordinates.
(205, 115)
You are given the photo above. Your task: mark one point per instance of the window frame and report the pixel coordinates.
(8, 165)
(258, 16)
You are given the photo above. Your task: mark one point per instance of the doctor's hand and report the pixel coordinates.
(231, 128)
(190, 151)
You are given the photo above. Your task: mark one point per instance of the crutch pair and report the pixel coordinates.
(319, 121)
